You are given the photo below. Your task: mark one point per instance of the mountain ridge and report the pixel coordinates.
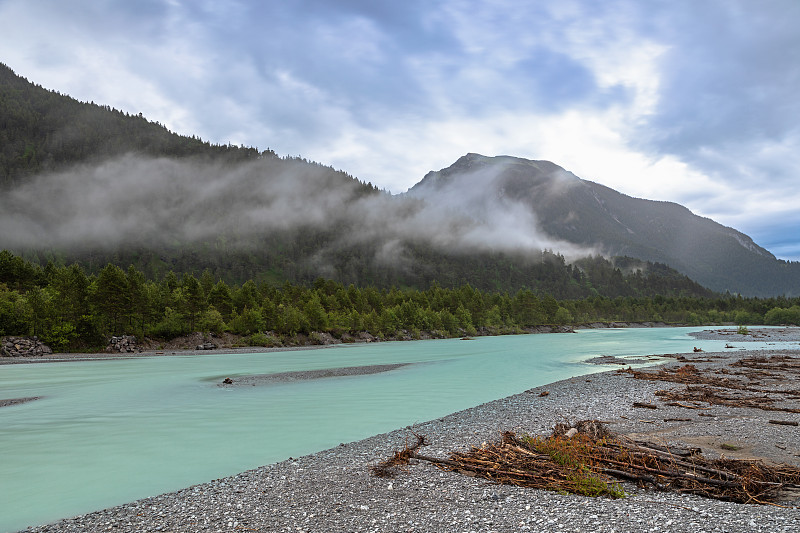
(585, 213)
(131, 191)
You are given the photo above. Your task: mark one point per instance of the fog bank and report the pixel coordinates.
(147, 201)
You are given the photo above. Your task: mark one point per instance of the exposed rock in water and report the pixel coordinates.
(23, 347)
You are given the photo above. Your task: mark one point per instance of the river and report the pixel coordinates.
(109, 432)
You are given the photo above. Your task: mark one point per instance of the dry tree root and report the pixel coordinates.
(587, 459)
(398, 461)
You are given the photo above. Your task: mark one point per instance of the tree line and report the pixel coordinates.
(72, 310)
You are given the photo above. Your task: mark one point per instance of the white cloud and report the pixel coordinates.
(641, 97)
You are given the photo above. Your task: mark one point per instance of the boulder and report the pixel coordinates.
(122, 344)
(363, 336)
(208, 345)
(23, 347)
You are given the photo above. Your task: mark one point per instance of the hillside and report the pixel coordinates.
(89, 184)
(591, 216)
(43, 130)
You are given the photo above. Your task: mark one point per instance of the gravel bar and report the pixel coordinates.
(333, 491)
(754, 334)
(306, 375)
(17, 401)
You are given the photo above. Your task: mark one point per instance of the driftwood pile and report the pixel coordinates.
(587, 459)
(760, 384)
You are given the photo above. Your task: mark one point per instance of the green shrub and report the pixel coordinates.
(211, 320)
(170, 326)
(248, 323)
(562, 316)
(779, 316)
(743, 317)
(262, 339)
(60, 336)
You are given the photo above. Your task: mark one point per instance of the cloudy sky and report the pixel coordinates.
(692, 101)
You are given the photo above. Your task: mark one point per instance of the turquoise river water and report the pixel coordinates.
(109, 432)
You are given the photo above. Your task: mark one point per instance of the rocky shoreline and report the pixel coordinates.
(126, 346)
(333, 490)
(65, 357)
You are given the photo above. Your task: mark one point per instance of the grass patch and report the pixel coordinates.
(574, 455)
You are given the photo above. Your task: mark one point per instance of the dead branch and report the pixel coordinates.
(715, 397)
(590, 462)
(399, 460)
(783, 422)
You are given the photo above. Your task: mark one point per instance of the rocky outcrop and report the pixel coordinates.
(23, 347)
(207, 345)
(548, 329)
(122, 344)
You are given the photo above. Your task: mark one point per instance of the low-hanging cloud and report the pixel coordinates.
(656, 99)
(134, 201)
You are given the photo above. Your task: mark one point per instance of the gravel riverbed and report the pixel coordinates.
(751, 334)
(305, 375)
(333, 490)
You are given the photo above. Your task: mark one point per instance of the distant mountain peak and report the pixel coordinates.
(511, 170)
(569, 209)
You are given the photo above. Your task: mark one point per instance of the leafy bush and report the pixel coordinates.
(60, 336)
(779, 315)
(262, 339)
(744, 317)
(248, 323)
(211, 320)
(562, 316)
(170, 326)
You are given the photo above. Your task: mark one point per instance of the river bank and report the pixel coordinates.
(233, 344)
(334, 491)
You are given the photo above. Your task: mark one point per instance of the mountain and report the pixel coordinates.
(43, 130)
(583, 214)
(87, 183)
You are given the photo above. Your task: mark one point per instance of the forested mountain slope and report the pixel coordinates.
(43, 130)
(87, 183)
(590, 215)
